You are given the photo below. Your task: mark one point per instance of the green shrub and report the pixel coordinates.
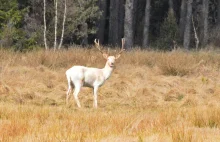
(168, 32)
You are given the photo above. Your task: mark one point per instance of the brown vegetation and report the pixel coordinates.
(151, 96)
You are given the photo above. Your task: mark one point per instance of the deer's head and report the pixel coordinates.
(110, 59)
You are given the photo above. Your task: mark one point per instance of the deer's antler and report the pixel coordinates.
(122, 46)
(97, 45)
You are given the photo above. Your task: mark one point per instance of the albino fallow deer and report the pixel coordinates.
(79, 76)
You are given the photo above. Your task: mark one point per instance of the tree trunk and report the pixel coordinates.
(135, 16)
(145, 43)
(218, 13)
(182, 19)
(101, 24)
(113, 22)
(204, 32)
(187, 36)
(55, 26)
(64, 19)
(45, 26)
(128, 24)
(121, 20)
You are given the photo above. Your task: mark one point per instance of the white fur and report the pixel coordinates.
(79, 76)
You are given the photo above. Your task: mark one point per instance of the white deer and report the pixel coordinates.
(79, 76)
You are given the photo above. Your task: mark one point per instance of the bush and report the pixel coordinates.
(168, 32)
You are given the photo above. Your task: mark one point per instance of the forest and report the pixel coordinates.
(147, 24)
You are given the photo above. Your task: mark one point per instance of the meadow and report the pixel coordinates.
(151, 96)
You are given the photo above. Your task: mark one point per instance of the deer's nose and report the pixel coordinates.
(112, 64)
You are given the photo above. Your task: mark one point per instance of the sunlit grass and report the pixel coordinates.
(151, 96)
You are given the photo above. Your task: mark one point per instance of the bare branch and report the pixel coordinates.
(64, 19)
(55, 26)
(45, 26)
(195, 34)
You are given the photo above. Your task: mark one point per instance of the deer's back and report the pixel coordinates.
(89, 76)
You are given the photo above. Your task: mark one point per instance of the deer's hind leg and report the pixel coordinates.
(78, 85)
(70, 87)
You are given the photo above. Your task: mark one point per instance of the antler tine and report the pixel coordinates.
(97, 45)
(122, 45)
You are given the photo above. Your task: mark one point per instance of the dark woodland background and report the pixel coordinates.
(148, 24)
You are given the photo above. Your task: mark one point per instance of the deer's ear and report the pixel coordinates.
(117, 56)
(105, 55)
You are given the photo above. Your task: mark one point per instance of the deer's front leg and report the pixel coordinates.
(95, 96)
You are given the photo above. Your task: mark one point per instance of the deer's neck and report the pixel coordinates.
(107, 70)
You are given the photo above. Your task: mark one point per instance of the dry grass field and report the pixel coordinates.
(151, 96)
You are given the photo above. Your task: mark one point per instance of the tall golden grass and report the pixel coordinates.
(151, 96)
